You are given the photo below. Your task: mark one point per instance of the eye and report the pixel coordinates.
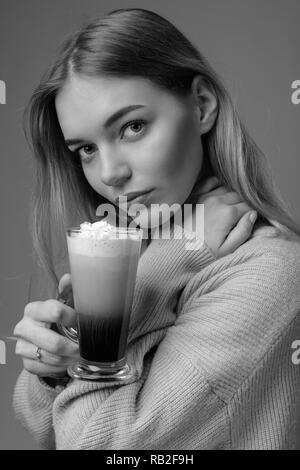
(84, 153)
(134, 126)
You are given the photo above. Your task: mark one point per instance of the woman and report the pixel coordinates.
(212, 328)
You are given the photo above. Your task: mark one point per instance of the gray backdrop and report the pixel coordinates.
(253, 44)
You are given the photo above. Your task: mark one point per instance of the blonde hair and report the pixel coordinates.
(140, 43)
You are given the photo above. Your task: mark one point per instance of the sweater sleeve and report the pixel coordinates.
(172, 406)
(184, 398)
(33, 397)
(47, 413)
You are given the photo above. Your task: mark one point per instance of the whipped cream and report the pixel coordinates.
(96, 231)
(98, 239)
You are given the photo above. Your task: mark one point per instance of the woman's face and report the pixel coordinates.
(155, 146)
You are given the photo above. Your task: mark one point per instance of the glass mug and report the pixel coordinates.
(103, 273)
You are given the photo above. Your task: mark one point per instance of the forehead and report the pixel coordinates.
(86, 100)
(79, 91)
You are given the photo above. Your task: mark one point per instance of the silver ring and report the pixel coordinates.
(38, 354)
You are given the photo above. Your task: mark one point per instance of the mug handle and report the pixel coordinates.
(70, 333)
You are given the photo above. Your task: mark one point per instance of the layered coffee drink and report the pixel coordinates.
(103, 263)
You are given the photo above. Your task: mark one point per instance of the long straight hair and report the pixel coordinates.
(134, 42)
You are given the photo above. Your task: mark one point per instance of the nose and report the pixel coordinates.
(114, 171)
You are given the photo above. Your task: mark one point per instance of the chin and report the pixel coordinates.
(153, 219)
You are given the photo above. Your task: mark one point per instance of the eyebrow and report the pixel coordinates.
(108, 123)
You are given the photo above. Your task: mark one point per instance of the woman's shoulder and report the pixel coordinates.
(263, 271)
(272, 252)
(270, 257)
(247, 304)
(273, 241)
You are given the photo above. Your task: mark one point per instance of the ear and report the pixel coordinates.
(206, 104)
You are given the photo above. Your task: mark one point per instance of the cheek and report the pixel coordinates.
(93, 179)
(90, 176)
(174, 150)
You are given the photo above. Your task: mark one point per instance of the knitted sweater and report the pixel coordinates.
(211, 343)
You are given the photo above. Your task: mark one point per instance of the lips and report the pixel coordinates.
(143, 199)
(135, 196)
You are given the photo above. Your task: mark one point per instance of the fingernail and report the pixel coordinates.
(253, 216)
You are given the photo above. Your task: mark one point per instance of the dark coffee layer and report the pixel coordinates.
(102, 338)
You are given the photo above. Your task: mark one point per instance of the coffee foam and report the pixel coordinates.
(101, 239)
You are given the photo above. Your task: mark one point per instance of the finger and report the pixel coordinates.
(28, 350)
(231, 197)
(220, 191)
(65, 281)
(65, 290)
(51, 311)
(208, 185)
(44, 370)
(240, 209)
(46, 339)
(240, 233)
(233, 213)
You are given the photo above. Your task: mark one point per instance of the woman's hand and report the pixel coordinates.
(34, 331)
(227, 223)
